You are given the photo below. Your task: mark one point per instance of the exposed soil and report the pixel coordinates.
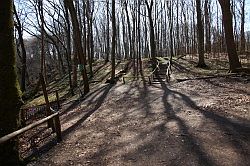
(195, 122)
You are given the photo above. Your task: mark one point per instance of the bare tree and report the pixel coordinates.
(242, 29)
(234, 62)
(200, 32)
(78, 43)
(107, 29)
(207, 14)
(149, 6)
(113, 42)
(20, 34)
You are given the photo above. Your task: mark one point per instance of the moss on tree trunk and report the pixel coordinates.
(10, 100)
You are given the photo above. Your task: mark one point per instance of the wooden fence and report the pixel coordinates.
(55, 127)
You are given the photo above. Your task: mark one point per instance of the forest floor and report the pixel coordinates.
(192, 122)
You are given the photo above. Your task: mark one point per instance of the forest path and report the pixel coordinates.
(198, 122)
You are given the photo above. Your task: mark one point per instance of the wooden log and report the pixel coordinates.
(29, 127)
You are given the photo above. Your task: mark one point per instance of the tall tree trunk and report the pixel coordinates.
(107, 29)
(43, 64)
(78, 43)
(74, 66)
(200, 33)
(90, 45)
(134, 54)
(242, 30)
(20, 34)
(68, 53)
(151, 28)
(129, 30)
(234, 62)
(170, 19)
(9, 88)
(139, 60)
(177, 28)
(207, 25)
(113, 42)
(125, 38)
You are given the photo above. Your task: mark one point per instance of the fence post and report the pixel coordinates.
(149, 80)
(23, 117)
(57, 100)
(57, 127)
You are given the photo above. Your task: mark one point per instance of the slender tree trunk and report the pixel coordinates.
(20, 34)
(200, 33)
(177, 28)
(234, 62)
(170, 19)
(139, 61)
(151, 29)
(125, 39)
(107, 29)
(90, 37)
(113, 42)
(9, 88)
(74, 67)
(207, 25)
(78, 44)
(60, 58)
(129, 30)
(133, 51)
(68, 53)
(242, 30)
(43, 64)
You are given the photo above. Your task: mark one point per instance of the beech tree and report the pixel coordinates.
(207, 10)
(113, 42)
(107, 29)
(43, 65)
(78, 43)
(200, 32)
(234, 62)
(242, 29)
(10, 93)
(149, 6)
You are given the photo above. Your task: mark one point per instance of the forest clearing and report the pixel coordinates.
(121, 82)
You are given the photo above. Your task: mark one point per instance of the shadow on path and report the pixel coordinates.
(103, 92)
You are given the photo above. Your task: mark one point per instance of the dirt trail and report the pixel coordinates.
(199, 122)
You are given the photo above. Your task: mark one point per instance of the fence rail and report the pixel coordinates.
(56, 126)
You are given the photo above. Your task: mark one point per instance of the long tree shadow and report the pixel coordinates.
(144, 95)
(237, 132)
(191, 142)
(49, 145)
(88, 99)
(231, 80)
(98, 104)
(100, 67)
